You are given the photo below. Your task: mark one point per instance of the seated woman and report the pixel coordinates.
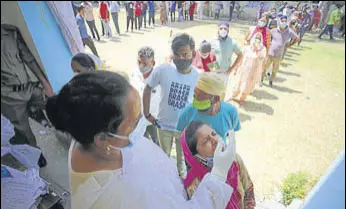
(199, 142)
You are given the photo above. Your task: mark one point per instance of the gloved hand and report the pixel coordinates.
(223, 159)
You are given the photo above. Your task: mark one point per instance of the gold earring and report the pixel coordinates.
(108, 150)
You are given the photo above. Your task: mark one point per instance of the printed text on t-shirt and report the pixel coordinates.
(178, 95)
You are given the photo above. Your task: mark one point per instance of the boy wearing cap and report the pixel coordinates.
(204, 56)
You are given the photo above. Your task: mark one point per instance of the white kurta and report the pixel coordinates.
(148, 179)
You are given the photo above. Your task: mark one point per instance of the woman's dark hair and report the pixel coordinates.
(191, 135)
(91, 103)
(84, 60)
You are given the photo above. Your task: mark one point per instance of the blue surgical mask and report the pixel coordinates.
(136, 134)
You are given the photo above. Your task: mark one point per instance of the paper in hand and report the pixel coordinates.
(214, 66)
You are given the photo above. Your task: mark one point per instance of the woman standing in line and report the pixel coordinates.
(249, 73)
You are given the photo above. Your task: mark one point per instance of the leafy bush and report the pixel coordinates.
(297, 185)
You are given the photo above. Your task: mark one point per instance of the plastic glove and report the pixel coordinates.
(223, 159)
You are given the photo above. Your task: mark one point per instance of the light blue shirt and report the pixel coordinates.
(225, 120)
(82, 26)
(224, 50)
(114, 7)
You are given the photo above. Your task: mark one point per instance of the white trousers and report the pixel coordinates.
(107, 27)
(200, 12)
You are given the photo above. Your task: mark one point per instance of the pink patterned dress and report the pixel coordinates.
(249, 73)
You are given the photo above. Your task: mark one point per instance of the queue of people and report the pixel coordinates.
(112, 164)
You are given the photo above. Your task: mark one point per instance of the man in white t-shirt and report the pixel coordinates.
(146, 62)
(177, 81)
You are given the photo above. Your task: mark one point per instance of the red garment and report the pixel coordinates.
(192, 9)
(138, 8)
(104, 11)
(201, 63)
(264, 32)
(317, 15)
(198, 171)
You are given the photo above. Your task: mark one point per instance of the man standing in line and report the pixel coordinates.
(129, 6)
(231, 9)
(177, 81)
(333, 22)
(146, 63)
(115, 9)
(200, 8)
(187, 5)
(83, 31)
(224, 47)
(138, 13)
(172, 10)
(280, 36)
(105, 17)
(151, 12)
(144, 14)
(89, 17)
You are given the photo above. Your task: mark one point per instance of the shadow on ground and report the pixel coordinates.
(250, 106)
(279, 80)
(285, 65)
(290, 59)
(101, 41)
(293, 53)
(243, 117)
(288, 73)
(137, 32)
(309, 40)
(261, 94)
(285, 89)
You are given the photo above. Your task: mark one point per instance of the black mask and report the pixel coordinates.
(182, 64)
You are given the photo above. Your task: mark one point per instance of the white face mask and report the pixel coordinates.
(283, 25)
(145, 69)
(205, 56)
(223, 33)
(261, 24)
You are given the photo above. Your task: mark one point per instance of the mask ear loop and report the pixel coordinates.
(212, 109)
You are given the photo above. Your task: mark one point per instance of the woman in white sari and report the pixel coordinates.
(111, 164)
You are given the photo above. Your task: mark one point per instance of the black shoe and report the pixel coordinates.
(42, 162)
(332, 39)
(271, 84)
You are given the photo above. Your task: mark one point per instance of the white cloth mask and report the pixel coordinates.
(223, 33)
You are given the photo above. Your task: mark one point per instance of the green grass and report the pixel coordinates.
(297, 185)
(324, 58)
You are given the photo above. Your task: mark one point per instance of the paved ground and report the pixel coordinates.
(298, 125)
